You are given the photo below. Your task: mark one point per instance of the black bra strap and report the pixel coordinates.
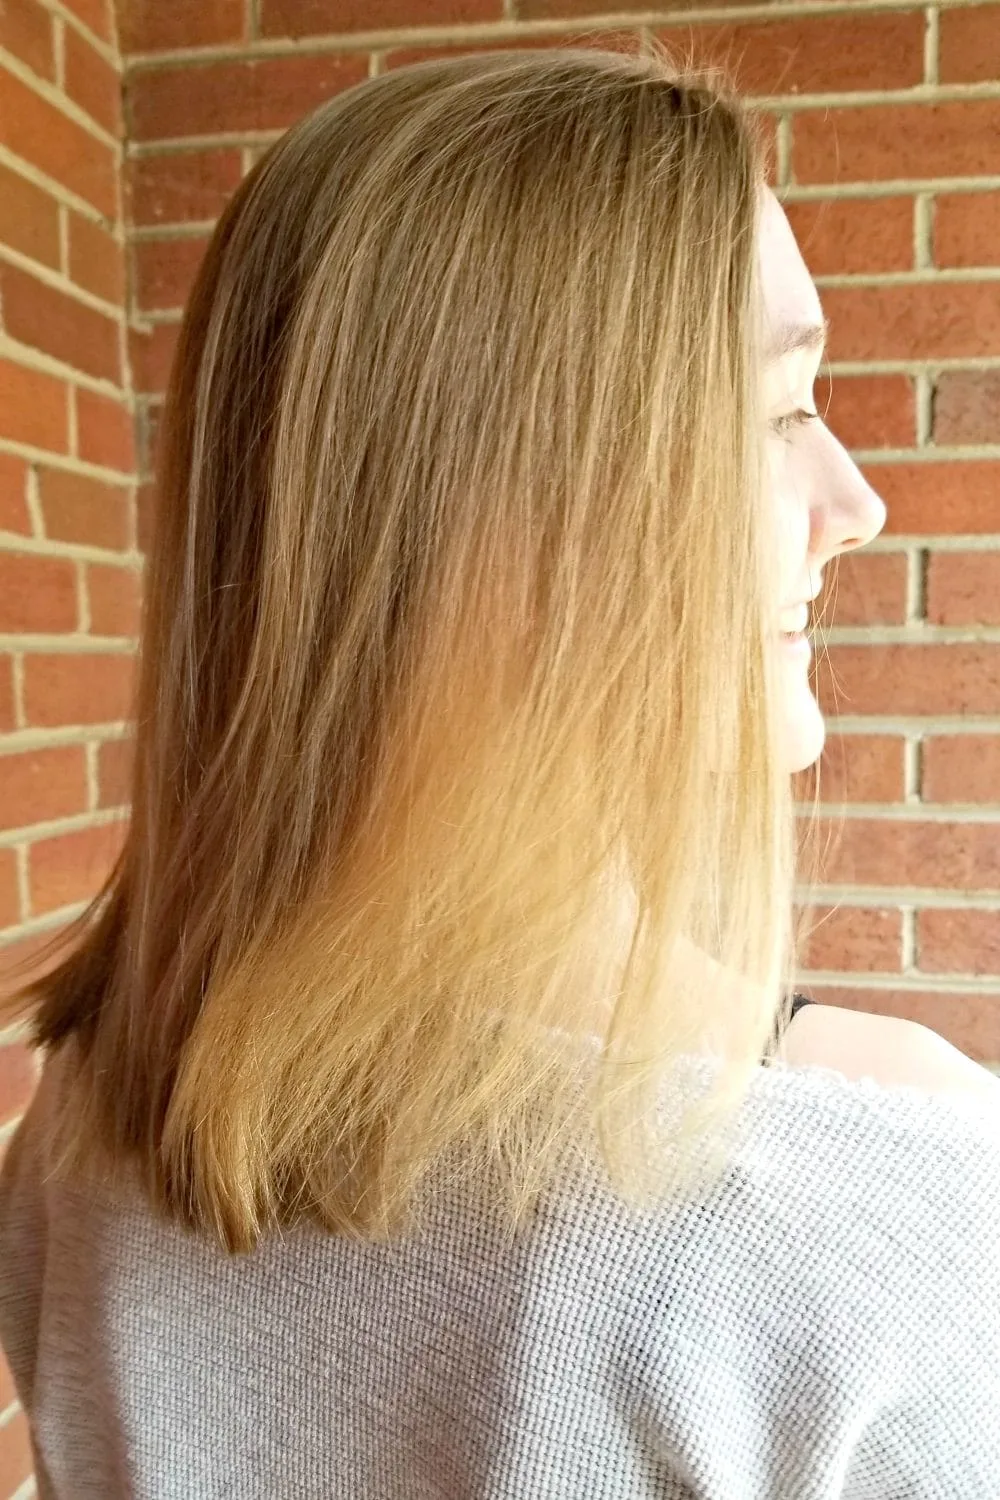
(798, 1001)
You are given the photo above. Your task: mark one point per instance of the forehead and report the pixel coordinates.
(788, 293)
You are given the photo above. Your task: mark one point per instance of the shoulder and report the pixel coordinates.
(840, 1290)
(889, 1050)
(865, 1132)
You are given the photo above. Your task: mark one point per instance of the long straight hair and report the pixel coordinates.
(458, 813)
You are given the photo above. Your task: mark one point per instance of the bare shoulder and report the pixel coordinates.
(861, 1044)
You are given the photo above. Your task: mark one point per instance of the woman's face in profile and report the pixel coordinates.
(824, 505)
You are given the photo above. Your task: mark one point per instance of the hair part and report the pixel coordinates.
(455, 723)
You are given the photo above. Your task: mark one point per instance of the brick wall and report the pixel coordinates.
(887, 122)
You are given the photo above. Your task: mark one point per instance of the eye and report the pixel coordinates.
(789, 419)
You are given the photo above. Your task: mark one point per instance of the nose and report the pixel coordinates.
(846, 513)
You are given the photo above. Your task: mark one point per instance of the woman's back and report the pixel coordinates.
(825, 1323)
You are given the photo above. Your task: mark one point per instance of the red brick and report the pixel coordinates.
(252, 94)
(884, 142)
(164, 270)
(26, 33)
(59, 325)
(913, 679)
(95, 14)
(869, 411)
(943, 498)
(74, 687)
(844, 236)
(177, 187)
(104, 431)
(963, 588)
(40, 133)
(29, 218)
(96, 259)
(70, 867)
(151, 26)
(967, 229)
(967, 408)
(6, 694)
(868, 588)
(960, 768)
(855, 768)
(40, 784)
(76, 508)
(31, 959)
(93, 84)
(958, 942)
(17, 1079)
(8, 1394)
(969, 44)
(907, 852)
(115, 595)
(810, 54)
(32, 407)
(37, 594)
(13, 495)
(10, 901)
(151, 352)
(114, 772)
(854, 937)
(15, 1454)
(295, 18)
(926, 320)
(969, 1022)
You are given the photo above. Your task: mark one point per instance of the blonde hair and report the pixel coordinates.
(455, 721)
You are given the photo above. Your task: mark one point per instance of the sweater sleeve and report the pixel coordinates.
(22, 1274)
(936, 1430)
(846, 1280)
(22, 1267)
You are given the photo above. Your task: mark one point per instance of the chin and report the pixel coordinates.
(805, 731)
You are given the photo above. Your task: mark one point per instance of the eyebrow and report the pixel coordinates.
(799, 336)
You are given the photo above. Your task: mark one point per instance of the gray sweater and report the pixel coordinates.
(824, 1325)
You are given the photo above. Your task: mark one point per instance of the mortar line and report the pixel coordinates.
(911, 771)
(931, 44)
(920, 276)
(908, 940)
(923, 207)
(914, 584)
(59, 50)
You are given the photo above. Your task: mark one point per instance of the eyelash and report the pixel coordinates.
(791, 419)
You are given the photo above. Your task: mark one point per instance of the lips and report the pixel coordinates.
(795, 620)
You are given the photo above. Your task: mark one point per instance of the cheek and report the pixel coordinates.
(789, 493)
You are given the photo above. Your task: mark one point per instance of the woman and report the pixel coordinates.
(403, 1129)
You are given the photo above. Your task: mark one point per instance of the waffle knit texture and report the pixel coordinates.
(823, 1324)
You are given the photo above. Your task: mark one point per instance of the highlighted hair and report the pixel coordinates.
(458, 813)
